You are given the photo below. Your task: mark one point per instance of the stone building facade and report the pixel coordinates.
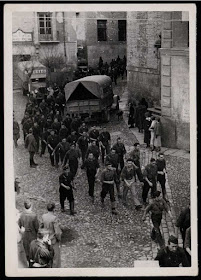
(41, 34)
(143, 63)
(102, 34)
(160, 73)
(175, 101)
(62, 32)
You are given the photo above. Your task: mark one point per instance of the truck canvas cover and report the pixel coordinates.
(93, 84)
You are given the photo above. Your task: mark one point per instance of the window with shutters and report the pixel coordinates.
(45, 26)
(102, 30)
(122, 30)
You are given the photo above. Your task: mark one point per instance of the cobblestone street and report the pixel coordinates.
(93, 237)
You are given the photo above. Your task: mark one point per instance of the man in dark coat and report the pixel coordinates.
(94, 134)
(94, 149)
(157, 207)
(184, 222)
(150, 179)
(83, 143)
(104, 139)
(41, 251)
(108, 179)
(44, 136)
(30, 143)
(147, 133)
(72, 138)
(66, 189)
(63, 132)
(161, 166)
(16, 132)
(52, 142)
(67, 121)
(92, 168)
(56, 126)
(72, 157)
(27, 124)
(172, 255)
(121, 151)
(62, 148)
(28, 219)
(36, 134)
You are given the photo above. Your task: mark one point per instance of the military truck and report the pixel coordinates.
(90, 97)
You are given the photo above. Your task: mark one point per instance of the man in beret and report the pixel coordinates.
(172, 255)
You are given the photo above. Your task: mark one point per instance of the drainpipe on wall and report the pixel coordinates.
(64, 36)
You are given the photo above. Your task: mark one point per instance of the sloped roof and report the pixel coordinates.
(93, 83)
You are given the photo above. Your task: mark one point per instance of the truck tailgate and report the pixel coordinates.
(83, 106)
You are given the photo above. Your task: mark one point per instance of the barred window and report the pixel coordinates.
(102, 30)
(122, 30)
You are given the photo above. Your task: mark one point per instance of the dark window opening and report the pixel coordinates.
(81, 93)
(102, 30)
(38, 80)
(122, 30)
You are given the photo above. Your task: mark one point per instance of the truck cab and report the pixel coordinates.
(32, 75)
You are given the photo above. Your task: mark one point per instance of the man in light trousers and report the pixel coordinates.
(128, 177)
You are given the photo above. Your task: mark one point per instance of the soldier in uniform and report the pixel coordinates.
(52, 142)
(83, 142)
(63, 132)
(121, 151)
(41, 251)
(157, 207)
(83, 128)
(44, 136)
(108, 178)
(161, 165)
(36, 134)
(114, 160)
(30, 143)
(150, 178)
(94, 134)
(16, 132)
(27, 124)
(135, 156)
(72, 138)
(172, 255)
(72, 157)
(62, 148)
(104, 140)
(128, 175)
(92, 168)
(56, 126)
(51, 223)
(67, 121)
(94, 149)
(66, 189)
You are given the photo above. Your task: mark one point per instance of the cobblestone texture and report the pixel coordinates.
(93, 237)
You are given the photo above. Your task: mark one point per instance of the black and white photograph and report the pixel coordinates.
(100, 140)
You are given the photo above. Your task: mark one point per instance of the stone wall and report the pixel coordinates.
(143, 65)
(175, 99)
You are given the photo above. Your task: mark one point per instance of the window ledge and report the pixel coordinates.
(49, 41)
